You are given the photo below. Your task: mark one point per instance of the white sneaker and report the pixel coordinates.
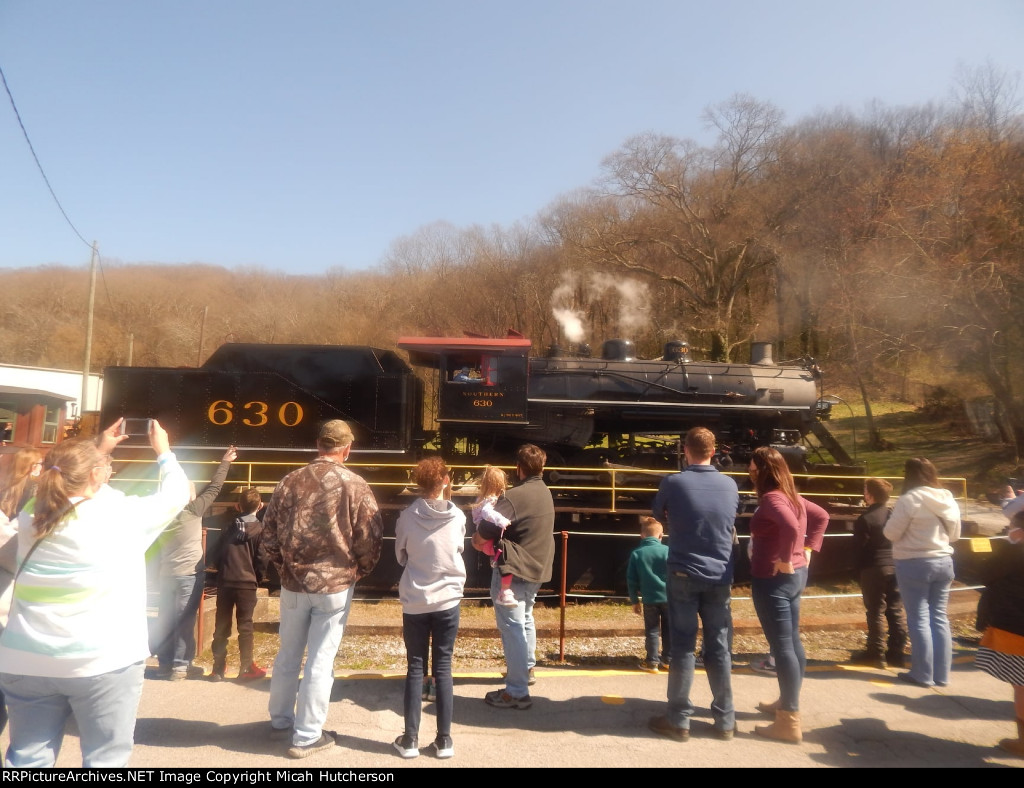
(507, 599)
(443, 747)
(407, 747)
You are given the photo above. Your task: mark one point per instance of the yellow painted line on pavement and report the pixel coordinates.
(570, 670)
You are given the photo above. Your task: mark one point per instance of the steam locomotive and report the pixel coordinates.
(475, 400)
(489, 396)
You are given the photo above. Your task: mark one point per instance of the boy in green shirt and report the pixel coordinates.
(646, 578)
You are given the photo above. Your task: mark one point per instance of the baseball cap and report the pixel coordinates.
(334, 433)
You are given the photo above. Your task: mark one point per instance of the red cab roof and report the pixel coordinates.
(423, 350)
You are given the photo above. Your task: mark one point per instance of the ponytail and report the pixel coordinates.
(65, 474)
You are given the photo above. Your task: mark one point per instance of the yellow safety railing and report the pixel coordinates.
(567, 482)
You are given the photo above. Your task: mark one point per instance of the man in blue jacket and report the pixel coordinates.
(699, 507)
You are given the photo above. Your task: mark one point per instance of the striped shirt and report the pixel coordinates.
(80, 601)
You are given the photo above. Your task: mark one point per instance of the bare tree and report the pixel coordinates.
(961, 220)
(689, 216)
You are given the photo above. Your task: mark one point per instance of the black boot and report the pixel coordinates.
(896, 659)
(873, 659)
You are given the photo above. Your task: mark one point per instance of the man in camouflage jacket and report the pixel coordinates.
(322, 531)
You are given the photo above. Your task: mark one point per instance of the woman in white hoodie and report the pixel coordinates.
(429, 539)
(922, 527)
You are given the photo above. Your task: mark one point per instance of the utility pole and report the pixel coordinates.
(202, 336)
(83, 403)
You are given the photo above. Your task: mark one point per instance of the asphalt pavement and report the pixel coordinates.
(852, 717)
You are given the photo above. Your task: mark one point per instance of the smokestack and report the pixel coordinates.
(761, 354)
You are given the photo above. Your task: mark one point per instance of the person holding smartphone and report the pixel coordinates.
(76, 638)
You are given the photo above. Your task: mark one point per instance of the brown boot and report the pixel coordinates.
(769, 708)
(785, 728)
(1015, 746)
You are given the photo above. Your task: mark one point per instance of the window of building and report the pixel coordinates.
(8, 420)
(51, 423)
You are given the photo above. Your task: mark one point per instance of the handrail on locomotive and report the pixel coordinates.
(567, 496)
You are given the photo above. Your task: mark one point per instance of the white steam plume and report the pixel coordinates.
(633, 296)
(634, 312)
(634, 309)
(568, 318)
(571, 323)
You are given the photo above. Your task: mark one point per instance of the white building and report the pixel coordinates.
(66, 383)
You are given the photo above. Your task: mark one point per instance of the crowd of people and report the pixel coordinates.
(74, 552)
(904, 555)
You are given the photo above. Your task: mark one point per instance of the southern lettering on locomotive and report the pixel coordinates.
(613, 408)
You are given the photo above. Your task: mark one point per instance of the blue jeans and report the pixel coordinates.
(179, 602)
(313, 623)
(689, 598)
(434, 632)
(518, 633)
(657, 633)
(777, 602)
(924, 584)
(104, 706)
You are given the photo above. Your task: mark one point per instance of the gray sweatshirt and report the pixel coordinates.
(181, 545)
(429, 539)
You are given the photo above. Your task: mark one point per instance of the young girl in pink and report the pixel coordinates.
(490, 527)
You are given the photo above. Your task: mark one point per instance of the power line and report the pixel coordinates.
(46, 180)
(24, 131)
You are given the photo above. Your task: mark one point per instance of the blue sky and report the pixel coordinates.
(301, 136)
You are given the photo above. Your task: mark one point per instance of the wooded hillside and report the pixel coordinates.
(888, 245)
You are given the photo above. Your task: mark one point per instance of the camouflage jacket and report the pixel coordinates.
(322, 529)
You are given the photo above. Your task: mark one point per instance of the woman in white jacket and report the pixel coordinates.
(922, 527)
(76, 639)
(429, 539)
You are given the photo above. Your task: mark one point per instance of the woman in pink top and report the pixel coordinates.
(783, 531)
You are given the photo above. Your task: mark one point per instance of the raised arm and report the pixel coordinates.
(205, 499)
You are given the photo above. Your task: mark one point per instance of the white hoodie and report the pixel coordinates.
(923, 523)
(429, 539)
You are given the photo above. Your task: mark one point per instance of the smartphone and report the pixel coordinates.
(135, 426)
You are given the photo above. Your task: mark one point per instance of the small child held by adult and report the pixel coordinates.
(240, 564)
(878, 581)
(646, 579)
(490, 527)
